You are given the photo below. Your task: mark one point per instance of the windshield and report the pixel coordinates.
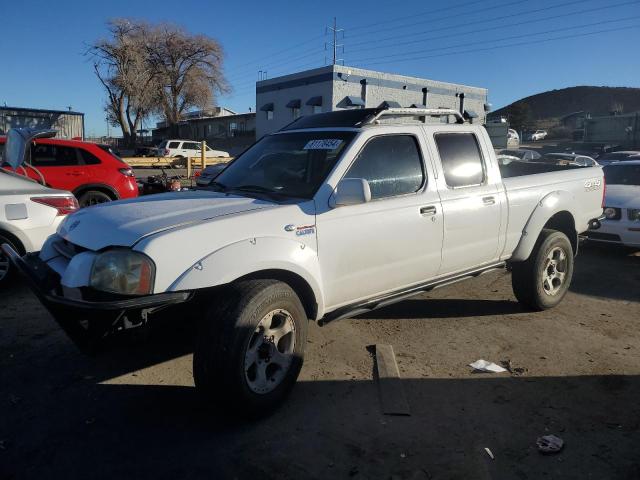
(622, 174)
(513, 153)
(287, 164)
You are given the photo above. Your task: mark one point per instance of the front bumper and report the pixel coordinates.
(621, 232)
(87, 322)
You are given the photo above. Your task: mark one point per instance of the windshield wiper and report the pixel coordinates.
(220, 187)
(256, 189)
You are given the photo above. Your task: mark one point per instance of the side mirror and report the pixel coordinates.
(18, 144)
(350, 191)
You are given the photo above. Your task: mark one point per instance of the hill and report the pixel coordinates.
(594, 100)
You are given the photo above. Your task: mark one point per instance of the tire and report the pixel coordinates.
(93, 197)
(7, 271)
(235, 366)
(541, 281)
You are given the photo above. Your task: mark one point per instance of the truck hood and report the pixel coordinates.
(124, 223)
(623, 196)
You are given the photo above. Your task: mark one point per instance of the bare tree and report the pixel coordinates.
(187, 70)
(122, 66)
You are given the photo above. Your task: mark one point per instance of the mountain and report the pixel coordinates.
(594, 100)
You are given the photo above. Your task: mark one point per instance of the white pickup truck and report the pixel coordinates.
(334, 215)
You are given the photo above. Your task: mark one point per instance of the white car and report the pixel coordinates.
(334, 215)
(29, 213)
(186, 149)
(538, 135)
(622, 206)
(513, 135)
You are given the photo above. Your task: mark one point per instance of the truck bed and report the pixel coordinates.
(527, 184)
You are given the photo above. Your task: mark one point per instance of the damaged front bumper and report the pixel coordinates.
(87, 322)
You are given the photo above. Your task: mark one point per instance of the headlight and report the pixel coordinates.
(123, 271)
(612, 213)
(634, 214)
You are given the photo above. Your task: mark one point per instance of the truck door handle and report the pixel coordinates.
(428, 211)
(489, 200)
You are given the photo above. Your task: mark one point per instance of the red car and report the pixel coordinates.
(93, 172)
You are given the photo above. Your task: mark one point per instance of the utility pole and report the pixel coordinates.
(335, 30)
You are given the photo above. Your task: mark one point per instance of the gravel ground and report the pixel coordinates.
(132, 412)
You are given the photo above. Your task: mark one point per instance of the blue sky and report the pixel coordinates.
(547, 44)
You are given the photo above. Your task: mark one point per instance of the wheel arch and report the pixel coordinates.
(13, 239)
(297, 283)
(101, 187)
(552, 212)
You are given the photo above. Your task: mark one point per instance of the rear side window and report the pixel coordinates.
(191, 146)
(88, 158)
(46, 155)
(391, 164)
(173, 144)
(461, 159)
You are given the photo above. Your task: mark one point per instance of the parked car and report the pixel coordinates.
(538, 135)
(568, 159)
(513, 135)
(145, 151)
(522, 154)
(209, 174)
(591, 149)
(186, 149)
(92, 172)
(314, 222)
(29, 213)
(622, 206)
(621, 156)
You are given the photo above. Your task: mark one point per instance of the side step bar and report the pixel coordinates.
(395, 297)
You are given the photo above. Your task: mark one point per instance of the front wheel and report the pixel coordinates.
(541, 281)
(6, 269)
(250, 347)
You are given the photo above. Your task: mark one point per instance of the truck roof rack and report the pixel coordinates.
(355, 118)
(414, 112)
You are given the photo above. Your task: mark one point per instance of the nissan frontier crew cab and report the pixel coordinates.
(334, 215)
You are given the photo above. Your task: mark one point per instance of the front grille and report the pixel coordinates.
(67, 249)
(610, 237)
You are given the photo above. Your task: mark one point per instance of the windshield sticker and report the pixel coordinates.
(306, 230)
(324, 144)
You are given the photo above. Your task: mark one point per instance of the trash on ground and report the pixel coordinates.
(489, 452)
(549, 444)
(485, 366)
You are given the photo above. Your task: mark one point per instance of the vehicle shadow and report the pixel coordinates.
(330, 429)
(607, 271)
(445, 308)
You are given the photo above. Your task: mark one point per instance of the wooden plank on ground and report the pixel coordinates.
(392, 397)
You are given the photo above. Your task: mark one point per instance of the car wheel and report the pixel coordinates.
(6, 269)
(541, 281)
(250, 348)
(93, 197)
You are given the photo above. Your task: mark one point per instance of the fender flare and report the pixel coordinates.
(550, 205)
(250, 257)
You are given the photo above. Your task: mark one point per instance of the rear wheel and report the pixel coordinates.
(250, 348)
(6, 269)
(542, 281)
(93, 197)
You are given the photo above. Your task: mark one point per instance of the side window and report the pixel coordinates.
(173, 144)
(461, 159)
(191, 146)
(88, 158)
(46, 155)
(391, 164)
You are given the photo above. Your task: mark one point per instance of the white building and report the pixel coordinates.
(281, 100)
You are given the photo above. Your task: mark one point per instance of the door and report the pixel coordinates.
(471, 203)
(390, 242)
(59, 164)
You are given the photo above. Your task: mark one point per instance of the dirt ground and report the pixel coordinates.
(132, 412)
